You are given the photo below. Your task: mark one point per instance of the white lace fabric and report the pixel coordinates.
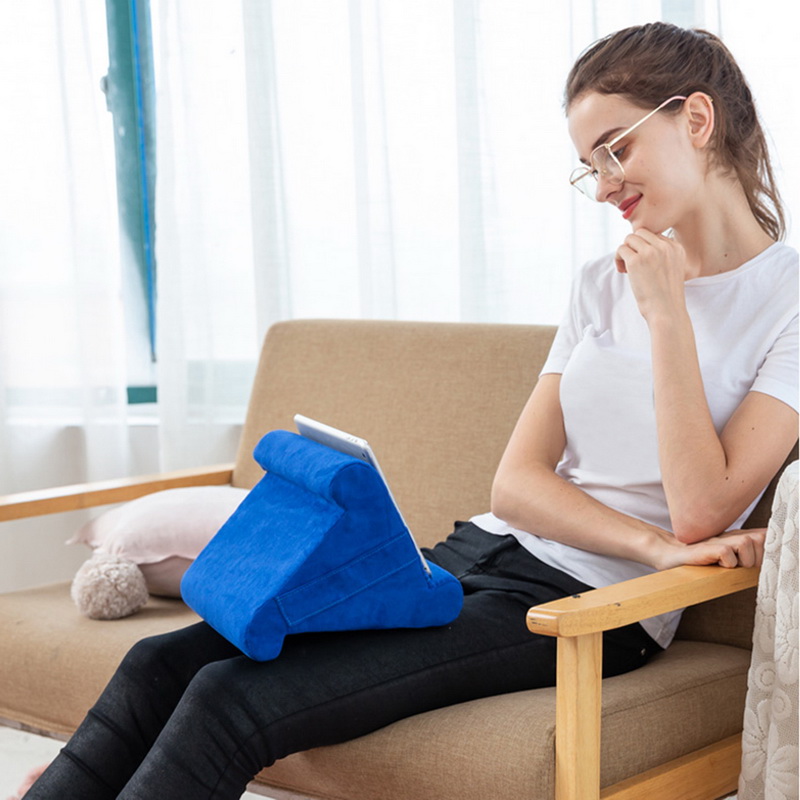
(770, 736)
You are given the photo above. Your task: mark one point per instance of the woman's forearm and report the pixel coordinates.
(556, 509)
(694, 468)
(529, 495)
(537, 500)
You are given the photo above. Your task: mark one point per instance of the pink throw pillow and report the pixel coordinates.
(162, 532)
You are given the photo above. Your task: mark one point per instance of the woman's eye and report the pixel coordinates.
(619, 153)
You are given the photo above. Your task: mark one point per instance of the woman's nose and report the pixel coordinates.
(607, 186)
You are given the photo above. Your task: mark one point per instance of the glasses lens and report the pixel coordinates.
(585, 182)
(605, 168)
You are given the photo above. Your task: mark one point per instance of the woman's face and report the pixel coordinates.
(662, 171)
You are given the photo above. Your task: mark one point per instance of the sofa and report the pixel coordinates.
(437, 401)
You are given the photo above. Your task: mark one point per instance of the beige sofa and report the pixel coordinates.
(438, 402)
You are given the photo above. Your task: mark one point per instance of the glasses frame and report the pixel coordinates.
(580, 173)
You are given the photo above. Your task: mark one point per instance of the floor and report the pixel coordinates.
(21, 751)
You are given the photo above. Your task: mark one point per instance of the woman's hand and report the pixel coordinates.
(740, 548)
(657, 268)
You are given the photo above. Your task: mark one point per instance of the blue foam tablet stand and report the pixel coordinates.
(317, 545)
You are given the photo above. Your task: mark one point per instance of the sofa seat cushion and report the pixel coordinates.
(461, 747)
(54, 661)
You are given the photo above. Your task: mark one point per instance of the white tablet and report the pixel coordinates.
(352, 446)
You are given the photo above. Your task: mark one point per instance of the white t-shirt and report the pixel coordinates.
(746, 328)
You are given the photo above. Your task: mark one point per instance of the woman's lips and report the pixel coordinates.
(627, 206)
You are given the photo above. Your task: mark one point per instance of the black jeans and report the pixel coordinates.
(188, 716)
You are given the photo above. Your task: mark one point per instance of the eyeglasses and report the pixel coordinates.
(604, 162)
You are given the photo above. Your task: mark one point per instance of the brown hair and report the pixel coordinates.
(646, 64)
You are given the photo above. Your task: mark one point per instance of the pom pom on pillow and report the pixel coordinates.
(162, 532)
(109, 587)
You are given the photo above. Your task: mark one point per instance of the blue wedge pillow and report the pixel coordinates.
(317, 545)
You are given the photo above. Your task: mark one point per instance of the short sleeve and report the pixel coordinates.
(778, 375)
(591, 293)
(568, 333)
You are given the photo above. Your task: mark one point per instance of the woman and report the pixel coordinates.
(668, 402)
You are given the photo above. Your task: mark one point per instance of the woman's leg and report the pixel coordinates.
(238, 715)
(120, 729)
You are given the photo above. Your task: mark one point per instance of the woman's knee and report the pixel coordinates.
(215, 690)
(177, 655)
(148, 655)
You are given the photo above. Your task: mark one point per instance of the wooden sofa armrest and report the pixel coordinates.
(578, 623)
(87, 495)
(637, 599)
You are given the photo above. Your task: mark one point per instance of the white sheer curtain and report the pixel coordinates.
(359, 158)
(379, 158)
(351, 159)
(62, 350)
(61, 343)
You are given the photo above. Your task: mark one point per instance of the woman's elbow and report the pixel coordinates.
(500, 499)
(688, 533)
(692, 525)
(510, 496)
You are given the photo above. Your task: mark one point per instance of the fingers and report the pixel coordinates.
(751, 550)
(636, 244)
(626, 252)
(742, 548)
(623, 253)
(760, 544)
(728, 557)
(747, 554)
(729, 550)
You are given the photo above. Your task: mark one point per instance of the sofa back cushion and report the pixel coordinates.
(437, 402)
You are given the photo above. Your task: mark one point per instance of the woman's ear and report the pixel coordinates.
(699, 110)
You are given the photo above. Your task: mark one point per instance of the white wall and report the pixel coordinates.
(33, 551)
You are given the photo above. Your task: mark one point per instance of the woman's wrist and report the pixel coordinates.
(666, 551)
(671, 323)
(657, 548)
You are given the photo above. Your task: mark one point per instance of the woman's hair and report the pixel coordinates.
(646, 64)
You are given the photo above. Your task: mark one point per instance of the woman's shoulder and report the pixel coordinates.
(778, 255)
(784, 252)
(785, 258)
(772, 273)
(778, 258)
